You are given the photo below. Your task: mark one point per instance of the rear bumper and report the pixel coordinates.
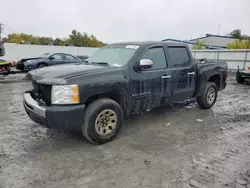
(68, 118)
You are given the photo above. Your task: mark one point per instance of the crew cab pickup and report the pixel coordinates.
(117, 80)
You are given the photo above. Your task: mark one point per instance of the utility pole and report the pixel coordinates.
(1, 27)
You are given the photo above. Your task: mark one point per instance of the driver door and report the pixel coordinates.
(149, 87)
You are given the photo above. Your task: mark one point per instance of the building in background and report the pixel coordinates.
(210, 41)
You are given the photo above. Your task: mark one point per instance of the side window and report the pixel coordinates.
(69, 57)
(178, 57)
(57, 57)
(156, 55)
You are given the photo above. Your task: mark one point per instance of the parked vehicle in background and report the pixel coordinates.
(82, 57)
(120, 79)
(243, 75)
(5, 67)
(2, 49)
(46, 59)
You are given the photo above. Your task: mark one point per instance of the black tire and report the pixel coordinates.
(239, 79)
(42, 65)
(204, 100)
(90, 117)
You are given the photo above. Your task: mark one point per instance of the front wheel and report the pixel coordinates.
(102, 121)
(208, 97)
(42, 65)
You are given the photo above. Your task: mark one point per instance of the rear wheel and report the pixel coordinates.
(208, 97)
(102, 121)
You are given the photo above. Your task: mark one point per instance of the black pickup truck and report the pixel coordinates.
(117, 80)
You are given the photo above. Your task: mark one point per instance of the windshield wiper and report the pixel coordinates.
(100, 63)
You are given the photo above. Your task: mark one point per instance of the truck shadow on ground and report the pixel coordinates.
(180, 114)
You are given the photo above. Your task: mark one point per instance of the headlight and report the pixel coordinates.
(65, 94)
(28, 62)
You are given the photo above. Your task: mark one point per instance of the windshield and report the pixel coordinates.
(113, 55)
(45, 55)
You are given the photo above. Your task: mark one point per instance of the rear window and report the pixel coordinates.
(179, 57)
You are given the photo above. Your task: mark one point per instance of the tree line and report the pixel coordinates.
(242, 43)
(76, 38)
(79, 39)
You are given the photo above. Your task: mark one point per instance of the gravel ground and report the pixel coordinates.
(14, 76)
(178, 146)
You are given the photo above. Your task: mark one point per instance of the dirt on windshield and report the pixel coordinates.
(178, 146)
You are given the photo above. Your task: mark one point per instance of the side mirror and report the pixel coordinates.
(51, 58)
(145, 64)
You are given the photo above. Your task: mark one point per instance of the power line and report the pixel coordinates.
(6, 26)
(11, 28)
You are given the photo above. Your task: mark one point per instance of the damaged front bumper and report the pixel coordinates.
(70, 117)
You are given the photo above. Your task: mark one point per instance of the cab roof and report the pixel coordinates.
(142, 43)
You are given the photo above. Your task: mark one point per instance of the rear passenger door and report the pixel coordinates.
(148, 86)
(182, 73)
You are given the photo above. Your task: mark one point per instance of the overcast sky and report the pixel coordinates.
(126, 20)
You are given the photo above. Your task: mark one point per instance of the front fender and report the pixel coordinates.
(102, 84)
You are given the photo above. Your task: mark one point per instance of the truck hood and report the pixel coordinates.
(59, 74)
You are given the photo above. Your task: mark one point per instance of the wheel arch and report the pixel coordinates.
(42, 63)
(117, 95)
(203, 80)
(216, 78)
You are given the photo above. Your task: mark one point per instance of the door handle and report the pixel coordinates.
(164, 77)
(190, 73)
